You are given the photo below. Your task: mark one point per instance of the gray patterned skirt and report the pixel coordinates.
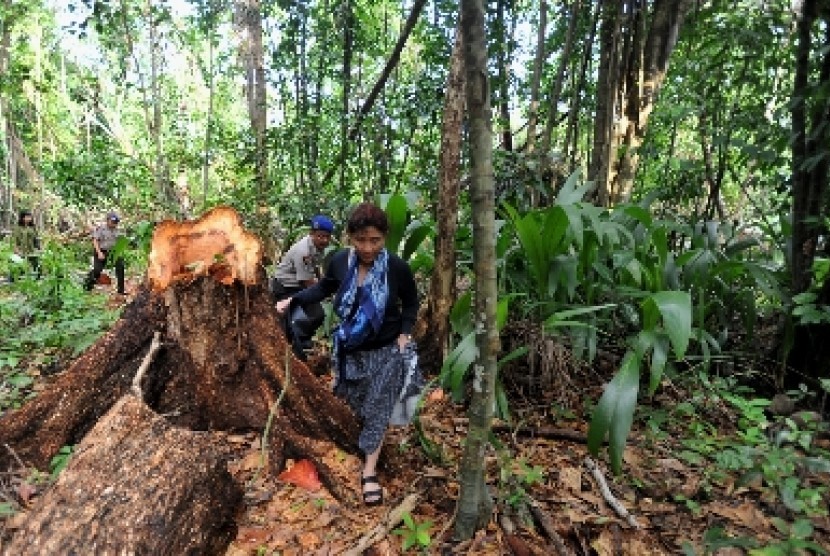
(382, 386)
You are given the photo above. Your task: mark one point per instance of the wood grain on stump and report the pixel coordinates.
(136, 485)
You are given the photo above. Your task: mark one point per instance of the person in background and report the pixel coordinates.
(298, 269)
(103, 240)
(375, 364)
(25, 242)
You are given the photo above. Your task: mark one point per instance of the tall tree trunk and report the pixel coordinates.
(434, 345)
(556, 91)
(211, 90)
(163, 186)
(249, 13)
(474, 501)
(644, 83)
(606, 97)
(811, 137)
(504, 76)
(348, 39)
(572, 131)
(536, 78)
(6, 200)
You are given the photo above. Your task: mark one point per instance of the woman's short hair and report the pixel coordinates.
(366, 215)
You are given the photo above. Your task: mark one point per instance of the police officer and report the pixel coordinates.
(298, 269)
(103, 240)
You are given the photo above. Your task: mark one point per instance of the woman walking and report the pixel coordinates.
(375, 364)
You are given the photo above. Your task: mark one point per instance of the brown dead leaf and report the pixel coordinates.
(672, 464)
(251, 461)
(436, 395)
(648, 505)
(25, 491)
(604, 544)
(746, 514)
(253, 535)
(308, 540)
(636, 547)
(571, 478)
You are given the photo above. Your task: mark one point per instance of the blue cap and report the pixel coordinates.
(322, 223)
(113, 216)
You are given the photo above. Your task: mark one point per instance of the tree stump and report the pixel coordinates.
(64, 412)
(136, 485)
(223, 365)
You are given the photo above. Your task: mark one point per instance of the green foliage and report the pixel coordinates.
(414, 534)
(406, 233)
(43, 320)
(59, 462)
(457, 365)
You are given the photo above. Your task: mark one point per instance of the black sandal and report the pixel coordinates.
(372, 497)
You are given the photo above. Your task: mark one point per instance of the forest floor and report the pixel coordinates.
(690, 479)
(706, 471)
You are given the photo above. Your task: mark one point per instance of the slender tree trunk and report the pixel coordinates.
(536, 78)
(606, 97)
(434, 345)
(474, 501)
(347, 73)
(5, 55)
(811, 137)
(504, 77)
(128, 37)
(556, 91)
(163, 185)
(572, 131)
(391, 64)
(209, 119)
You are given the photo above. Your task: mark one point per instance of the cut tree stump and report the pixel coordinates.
(62, 414)
(136, 485)
(223, 364)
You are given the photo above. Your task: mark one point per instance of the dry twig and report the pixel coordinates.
(615, 504)
(145, 364)
(546, 523)
(380, 530)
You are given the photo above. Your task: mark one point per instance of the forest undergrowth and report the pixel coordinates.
(710, 467)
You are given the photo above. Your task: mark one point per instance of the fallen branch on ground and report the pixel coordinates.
(145, 364)
(544, 432)
(546, 523)
(615, 504)
(380, 530)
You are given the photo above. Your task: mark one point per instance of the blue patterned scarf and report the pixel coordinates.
(361, 323)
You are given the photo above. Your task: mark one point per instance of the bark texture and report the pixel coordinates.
(223, 366)
(475, 503)
(434, 345)
(68, 408)
(136, 485)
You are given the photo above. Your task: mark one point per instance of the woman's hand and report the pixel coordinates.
(283, 304)
(403, 341)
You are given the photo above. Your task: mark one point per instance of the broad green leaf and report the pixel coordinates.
(676, 309)
(415, 239)
(460, 314)
(639, 214)
(20, 381)
(659, 356)
(572, 193)
(660, 242)
(520, 351)
(457, 364)
(561, 318)
(614, 413)
(396, 212)
(577, 227)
